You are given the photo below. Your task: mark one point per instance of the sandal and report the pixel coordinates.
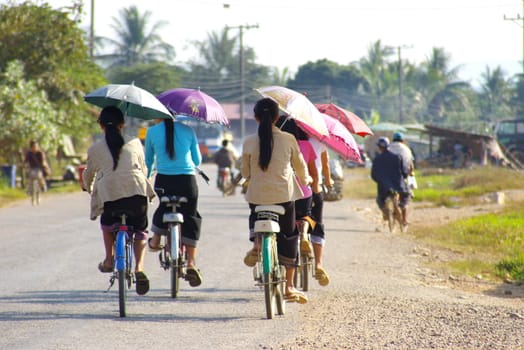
(193, 276)
(102, 267)
(251, 257)
(153, 249)
(296, 296)
(321, 276)
(142, 283)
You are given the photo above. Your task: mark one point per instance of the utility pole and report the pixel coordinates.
(515, 19)
(92, 31)
(400, 83)
(241, 29)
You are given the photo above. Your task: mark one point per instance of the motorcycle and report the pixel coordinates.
(224, 181)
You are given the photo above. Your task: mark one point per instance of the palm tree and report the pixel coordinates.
(217, 54)
(442, 93)
(135, 42)
(495, 94)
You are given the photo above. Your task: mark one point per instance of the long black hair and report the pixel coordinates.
(266, 112)
(111, 118)
(170, 137)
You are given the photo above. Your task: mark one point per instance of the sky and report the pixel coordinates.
(476, 33)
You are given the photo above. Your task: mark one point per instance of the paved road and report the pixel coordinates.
(53, 297)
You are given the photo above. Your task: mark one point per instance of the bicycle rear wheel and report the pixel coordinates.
(269, 285)
(279, 290)
(176, 260)
(304, 272)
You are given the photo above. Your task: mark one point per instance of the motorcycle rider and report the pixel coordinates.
(225, 158)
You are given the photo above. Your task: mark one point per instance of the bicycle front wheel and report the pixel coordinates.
(120, 262)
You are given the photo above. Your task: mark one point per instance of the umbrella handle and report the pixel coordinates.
(201, 173)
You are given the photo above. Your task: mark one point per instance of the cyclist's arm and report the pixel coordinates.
(326, 171)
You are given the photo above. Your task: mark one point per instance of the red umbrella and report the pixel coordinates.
(350, 120)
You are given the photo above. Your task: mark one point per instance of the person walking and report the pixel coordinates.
(35, 161)
(173, 148)
(116, 177)
(270, 161)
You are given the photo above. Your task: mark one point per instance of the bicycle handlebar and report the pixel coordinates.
(201, 173)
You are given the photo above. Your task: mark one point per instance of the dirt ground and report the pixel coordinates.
(423, 215)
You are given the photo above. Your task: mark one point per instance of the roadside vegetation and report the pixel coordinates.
(489, 245)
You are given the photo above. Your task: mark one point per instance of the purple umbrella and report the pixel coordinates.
(193, 103)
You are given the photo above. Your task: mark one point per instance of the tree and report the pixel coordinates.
(445, 99)
(325, 80)
(52, 50)
(135, 42)
(154, 77)
(495, 94)
(26, 114)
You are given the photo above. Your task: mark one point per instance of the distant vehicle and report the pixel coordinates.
(510, 134)
(209, 136)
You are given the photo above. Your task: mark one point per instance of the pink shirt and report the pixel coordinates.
(309, 155)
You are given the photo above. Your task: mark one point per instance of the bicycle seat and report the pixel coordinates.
(277, 209)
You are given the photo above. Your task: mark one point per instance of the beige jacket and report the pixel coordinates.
(105, 184)
(278, 183)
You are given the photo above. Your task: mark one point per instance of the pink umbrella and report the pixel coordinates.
(350, 120)
(339, 140)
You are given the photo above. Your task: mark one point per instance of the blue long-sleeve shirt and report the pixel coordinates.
(187, 153)
(389, 171)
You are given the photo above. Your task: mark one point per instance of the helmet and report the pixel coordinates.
(383, 142)
(398, 136)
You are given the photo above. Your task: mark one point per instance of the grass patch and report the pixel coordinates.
(490, 245)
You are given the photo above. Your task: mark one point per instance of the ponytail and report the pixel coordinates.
(266, 112)
(111, 118)
(170, 137)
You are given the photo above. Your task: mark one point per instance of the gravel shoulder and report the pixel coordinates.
(383, 295)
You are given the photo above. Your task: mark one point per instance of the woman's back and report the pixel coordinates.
(186, 155)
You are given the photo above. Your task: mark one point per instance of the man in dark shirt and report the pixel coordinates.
(225, 158)
(389, 171)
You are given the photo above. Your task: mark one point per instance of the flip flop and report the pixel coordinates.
(193, 276)
(142, 283)
(296, 297)
(321, 276)
(103, 268)
(153, 249)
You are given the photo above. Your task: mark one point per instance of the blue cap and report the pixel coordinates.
(398, 136)
(383, 142)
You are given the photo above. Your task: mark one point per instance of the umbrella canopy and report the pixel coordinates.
(193, 103)
(350, 120)
(297, 106)
(132, 101)
(339, 139)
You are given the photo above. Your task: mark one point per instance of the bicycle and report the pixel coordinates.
(268, 272)
(34, 186)
(123, 260)
(304, 262)
(392, 212)
(173, 255)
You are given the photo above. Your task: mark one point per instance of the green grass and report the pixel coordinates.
(490, 245)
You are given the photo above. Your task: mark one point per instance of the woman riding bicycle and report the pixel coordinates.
(115, 176)
(36, 162)
(174, 148)
(270, 161)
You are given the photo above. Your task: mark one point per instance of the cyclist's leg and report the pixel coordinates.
(252, 255)
(381, 203)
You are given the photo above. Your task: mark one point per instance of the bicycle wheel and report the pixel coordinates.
(35, 192)
(120, 257)
(175, 259)
(304, 272)
(279, 289)
(267, 262)
(390, 212)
